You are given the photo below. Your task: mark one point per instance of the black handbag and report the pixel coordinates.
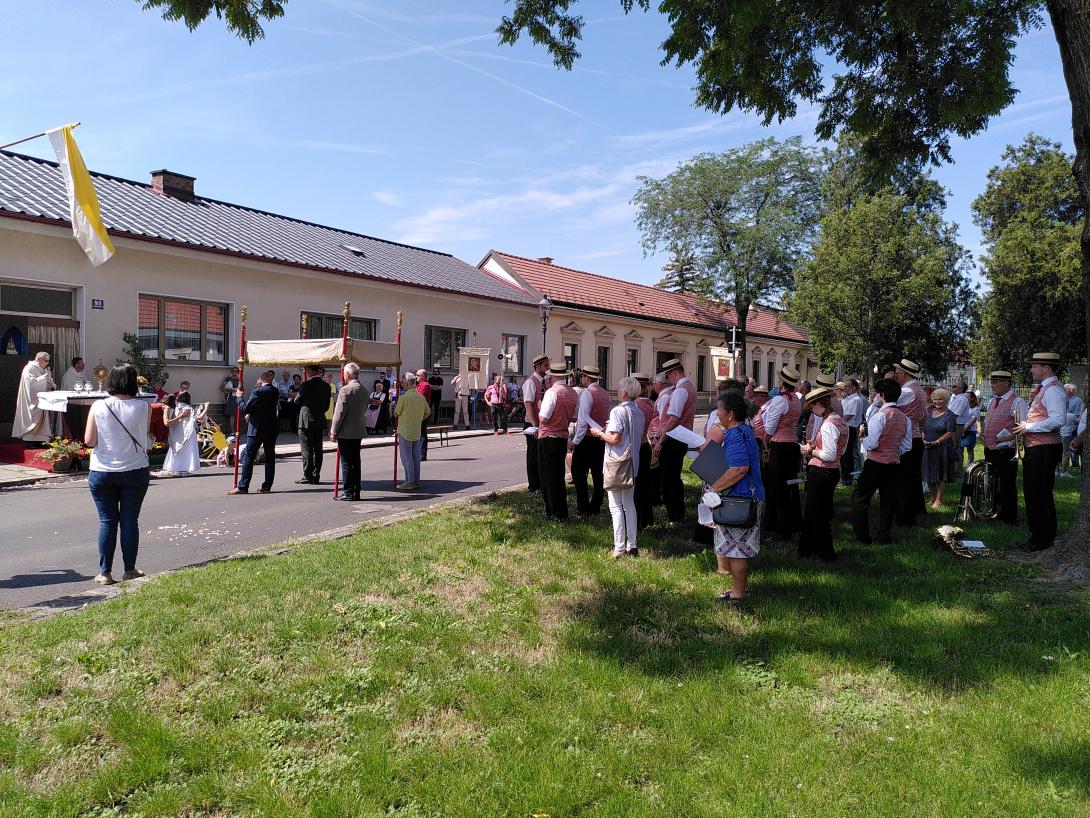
(736, 512)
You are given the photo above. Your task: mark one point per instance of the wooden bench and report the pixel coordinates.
(444, 433)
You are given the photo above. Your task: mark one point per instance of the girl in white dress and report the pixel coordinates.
(182, 420)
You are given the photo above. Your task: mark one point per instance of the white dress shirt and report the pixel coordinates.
(776, 407)
(1055, 401)
(582, 418)
(830, 437)
(678, 398)
(548, 405)
(959, 405)
(855, 407)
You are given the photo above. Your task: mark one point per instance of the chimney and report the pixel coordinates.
(169, 183)
(546, 259)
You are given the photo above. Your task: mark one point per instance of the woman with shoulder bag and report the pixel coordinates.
(117, 434)
(736, 544)
(622, 436)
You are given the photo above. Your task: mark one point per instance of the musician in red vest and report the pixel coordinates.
(913, 402)
(888, 439)
(557, 411)
(1040, 433)
(781, 417)
(823, 449)
(533, 390)
(588, 451)
(680, 411)
(1005, 411)
(645, 510)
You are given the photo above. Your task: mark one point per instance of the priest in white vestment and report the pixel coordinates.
(31, 423)
(73, 375)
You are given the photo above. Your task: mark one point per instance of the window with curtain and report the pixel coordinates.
(512, 347)
(441, 347)
(633, 362)
(177, 329)
(324, 325)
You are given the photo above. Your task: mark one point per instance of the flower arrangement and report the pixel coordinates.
(61, 448)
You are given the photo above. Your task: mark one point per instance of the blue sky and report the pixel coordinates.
(405, 120)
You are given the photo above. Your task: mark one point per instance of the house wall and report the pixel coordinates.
(589, 330)
(274, 294)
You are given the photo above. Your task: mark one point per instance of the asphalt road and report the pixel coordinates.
(48, 548)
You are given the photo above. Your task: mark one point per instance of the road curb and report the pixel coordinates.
(80, 601)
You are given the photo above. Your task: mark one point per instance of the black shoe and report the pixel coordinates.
(348, 498)
(633, 552)
(302, 481)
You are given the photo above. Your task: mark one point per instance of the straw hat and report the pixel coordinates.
(908, 367)
(790, 376)
(642, 377)
(817, 394)
(539, 359)
(672, 364)
(1000, 375)
(558, 370)
(1050, 358)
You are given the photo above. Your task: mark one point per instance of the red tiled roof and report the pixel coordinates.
(565, 285)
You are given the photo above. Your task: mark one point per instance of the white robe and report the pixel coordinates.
(70, 378)
(183, 449)
(31, 423)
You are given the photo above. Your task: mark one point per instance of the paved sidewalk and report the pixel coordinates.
(16, 474)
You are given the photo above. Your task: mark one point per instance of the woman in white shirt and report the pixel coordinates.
(622, 437)
(117, 434)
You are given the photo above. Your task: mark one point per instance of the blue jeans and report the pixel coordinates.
(410, 458)
(118, 496)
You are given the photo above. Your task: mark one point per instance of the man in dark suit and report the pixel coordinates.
(312, 401)
(347, 430)
(260, 410)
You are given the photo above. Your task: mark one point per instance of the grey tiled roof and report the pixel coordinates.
(34, 187)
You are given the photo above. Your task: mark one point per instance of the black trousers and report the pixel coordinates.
(551, 452)
(499, 418)
(645, 509)
(533, 476)
(911, 485)
(1006, 466)
(847, 461)
(816, 535)
(310, 446)
(1038, 481)
(782, 512)
(249, 454)
(588, 457)
(880, 477)
(671, 459)
(349, 450)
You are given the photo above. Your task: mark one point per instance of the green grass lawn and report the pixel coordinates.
(482, 662)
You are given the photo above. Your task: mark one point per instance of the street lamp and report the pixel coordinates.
(544, 307)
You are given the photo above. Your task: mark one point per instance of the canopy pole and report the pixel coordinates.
(36, 136)
(344, 358)
(397, 378)
(303, 321)
(241, 381)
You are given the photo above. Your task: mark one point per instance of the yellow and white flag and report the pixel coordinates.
(83, 208)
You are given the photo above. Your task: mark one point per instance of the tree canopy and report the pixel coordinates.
(1030, 216)
(243, 17)
(684, 275)
(747, 216)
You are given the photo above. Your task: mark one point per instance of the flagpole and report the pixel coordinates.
(397, 378)
(241, 381)
(36, 136)
(344, 359)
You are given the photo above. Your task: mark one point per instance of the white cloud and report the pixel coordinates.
(386, 197)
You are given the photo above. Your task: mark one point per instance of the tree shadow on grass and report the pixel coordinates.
(1066, 765)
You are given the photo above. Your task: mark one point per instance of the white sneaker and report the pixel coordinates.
(104, 579)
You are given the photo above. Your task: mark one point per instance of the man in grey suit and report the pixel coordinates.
(348, 429)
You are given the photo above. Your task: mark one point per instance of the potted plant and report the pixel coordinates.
(63, 454)
(157, 454)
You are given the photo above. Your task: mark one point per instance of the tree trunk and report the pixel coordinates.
(1071, 23)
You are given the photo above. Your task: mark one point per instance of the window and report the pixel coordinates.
(321, 325)
(772, 374)
(701, 365)
(757, 372)
(603, 365)
(662, 357)
(441, 346)
(174, 329)
(571, 356)
(36, 300)
(633, 361)
(512, 347)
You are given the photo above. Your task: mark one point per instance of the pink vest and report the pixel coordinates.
(539, 391)
(650, 416)
(661, 404)
(841, 442)
(1038, 412)
(759, 423)
(688, 412)
(599, 404)
(567, 402)
(786, 431)
(916, 410)
(999, 417)
(888, 449)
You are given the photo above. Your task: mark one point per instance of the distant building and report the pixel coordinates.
(623, 327)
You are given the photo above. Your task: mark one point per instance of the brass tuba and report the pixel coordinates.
(978, 489)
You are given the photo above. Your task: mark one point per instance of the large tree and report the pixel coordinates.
(887, 278)
(1030, 215)
(747, 216)
(903, 77)
(683, 274)
(243, 17)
